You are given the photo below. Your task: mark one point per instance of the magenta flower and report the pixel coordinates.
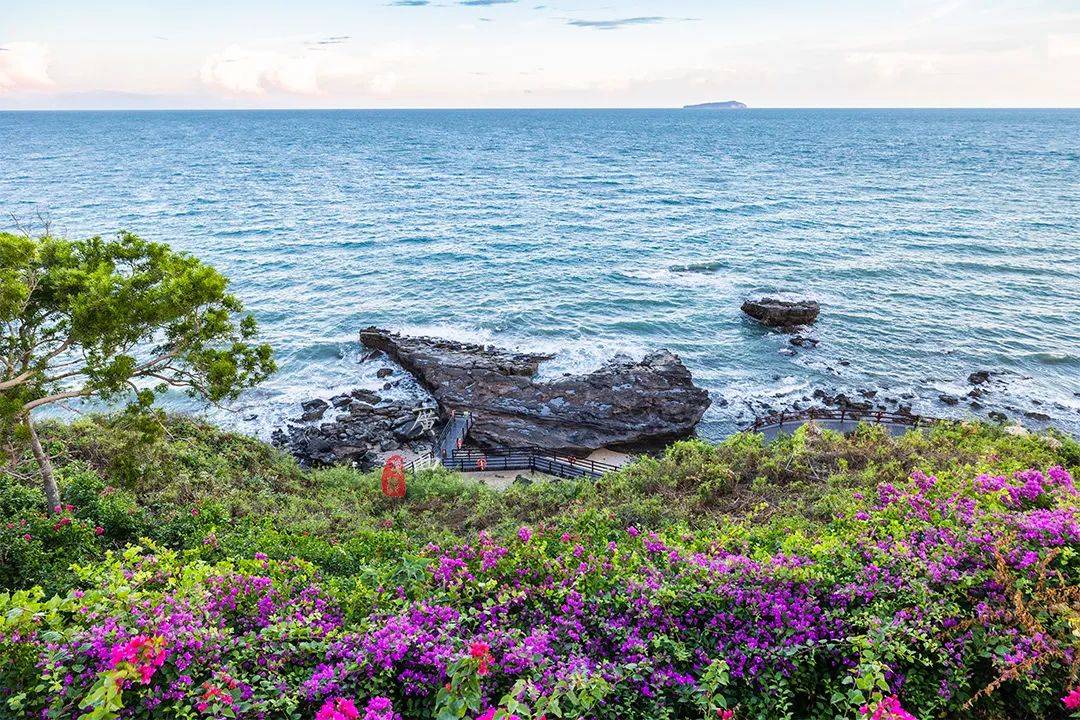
(338, 708)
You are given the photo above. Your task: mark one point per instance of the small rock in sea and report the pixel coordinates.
(340, 401)
(907, 396)
(313, 409)
(998, 416)
(845, 363)
(773, 312)
(252, 416)
(975, 392)
(387, 386)
(979, 377)
(788, 351)
(975, 405)
(383, 373)
(868, 393)
(366, 396)
(1041, 417)
(804, 342)
(948, 399)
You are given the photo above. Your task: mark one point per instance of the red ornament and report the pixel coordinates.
(393, 477)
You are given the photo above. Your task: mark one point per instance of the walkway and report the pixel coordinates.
(448, 451)
(843, 421)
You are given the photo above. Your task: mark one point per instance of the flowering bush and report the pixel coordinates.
(946, 594)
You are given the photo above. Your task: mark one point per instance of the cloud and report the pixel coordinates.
(332, 40)
(303, 66)
(619, 23)
(248, 71)
(410, 3)
(485, 3)
(24, 66)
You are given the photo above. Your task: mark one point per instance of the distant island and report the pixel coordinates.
(725, 105)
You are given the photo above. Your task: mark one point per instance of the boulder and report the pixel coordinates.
(773, 312)
(313, 409)
(624, 404)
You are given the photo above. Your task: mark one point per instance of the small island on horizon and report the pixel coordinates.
(723, 105)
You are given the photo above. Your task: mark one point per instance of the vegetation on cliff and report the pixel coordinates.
(194, 573)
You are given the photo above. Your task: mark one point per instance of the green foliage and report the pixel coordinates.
(119, 319)
(193, 515)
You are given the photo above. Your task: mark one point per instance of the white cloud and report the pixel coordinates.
(24, 66)
(301, 67)
(893, 64)
(250, 71)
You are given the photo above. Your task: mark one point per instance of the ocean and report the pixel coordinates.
(938, 242)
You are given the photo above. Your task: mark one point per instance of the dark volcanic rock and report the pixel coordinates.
(979, 377)
(804, 342)
(623, 404)
(314, 409)
(355, 437)
(782, 313)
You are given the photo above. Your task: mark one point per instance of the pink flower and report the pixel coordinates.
(525, 534)
(487, 714)
(890, 709)
(338, 708)
(99, 530)
(632, 531)
(144, 654)
(1072, 700)
(26, 537)
(481, 651)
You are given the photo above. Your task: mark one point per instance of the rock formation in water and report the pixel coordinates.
(624, 404)
(782, 313)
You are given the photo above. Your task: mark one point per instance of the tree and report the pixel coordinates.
(118, 319)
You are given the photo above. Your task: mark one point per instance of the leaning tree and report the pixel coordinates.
(120, 319)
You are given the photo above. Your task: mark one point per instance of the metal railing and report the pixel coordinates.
(525, 458)
(843, 415)
(504, 458)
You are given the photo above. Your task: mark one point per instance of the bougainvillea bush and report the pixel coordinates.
(910, 592)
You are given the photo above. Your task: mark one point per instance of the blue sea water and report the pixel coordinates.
(938, 242)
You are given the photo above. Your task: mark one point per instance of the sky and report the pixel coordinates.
(125, 54)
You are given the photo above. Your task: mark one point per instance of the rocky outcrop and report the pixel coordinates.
(782, 313)
(624, 404)
(365, 426)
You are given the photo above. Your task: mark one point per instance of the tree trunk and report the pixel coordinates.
(52, 493)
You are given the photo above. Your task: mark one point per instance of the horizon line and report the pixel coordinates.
(545, 107)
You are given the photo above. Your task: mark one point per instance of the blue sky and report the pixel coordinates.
(538, 53)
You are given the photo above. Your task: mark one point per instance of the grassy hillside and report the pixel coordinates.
(202, 574)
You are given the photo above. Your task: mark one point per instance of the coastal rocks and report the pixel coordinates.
(804, 342)
(367, 427)
(623, 404)
(773, 312)
(313, 409)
